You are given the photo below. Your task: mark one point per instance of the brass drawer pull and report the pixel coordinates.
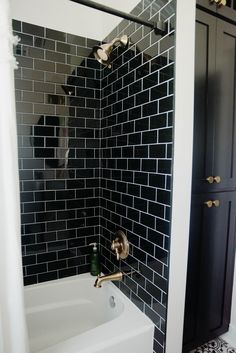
(208, 203)
(217, 179)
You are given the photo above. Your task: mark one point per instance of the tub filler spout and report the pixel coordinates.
(116, 276)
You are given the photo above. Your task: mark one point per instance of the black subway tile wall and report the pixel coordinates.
(136, 159)
(58, 118)
(95, 154)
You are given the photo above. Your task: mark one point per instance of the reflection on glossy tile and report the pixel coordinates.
(46, 97)
(44, 43)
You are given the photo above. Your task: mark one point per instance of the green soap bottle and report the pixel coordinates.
(95, 261)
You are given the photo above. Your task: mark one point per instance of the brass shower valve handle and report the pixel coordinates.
(117, 247)
(120, 245)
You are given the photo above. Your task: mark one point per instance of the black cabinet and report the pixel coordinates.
(210, 268)
(213, 209)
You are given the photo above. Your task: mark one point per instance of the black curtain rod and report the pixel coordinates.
(158, 27)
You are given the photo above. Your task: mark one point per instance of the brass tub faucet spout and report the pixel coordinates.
(117, 276)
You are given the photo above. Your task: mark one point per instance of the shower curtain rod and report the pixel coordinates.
(159, 27)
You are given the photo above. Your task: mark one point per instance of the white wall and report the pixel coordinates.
(69, 17)
(13, 334)
(182, 172)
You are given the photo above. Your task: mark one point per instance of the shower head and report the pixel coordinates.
(103, 52)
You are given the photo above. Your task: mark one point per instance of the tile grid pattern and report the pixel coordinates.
(136, 155)
(58, 90)
(66, 206)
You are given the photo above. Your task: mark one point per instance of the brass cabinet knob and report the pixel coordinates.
(208, 203)
(217, 179)
(210, 179)
(219, 2)
(213, 179)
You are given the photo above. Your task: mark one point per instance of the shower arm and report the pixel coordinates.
(159, 27)
(116, 40)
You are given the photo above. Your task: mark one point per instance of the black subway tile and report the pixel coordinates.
(44, 43)
(149, 165)
(151, 80)
(159, 91)
(56, 57)
(157, 151)
(67, 272)
(156, 209)
(16, 25)
(147, 220)
(56, 35)
(166, 104)
(77, 40)
(165, 135)
(65, 48)
(29, 260)
(148, 193)
(164, 166)
(47, 276)
(149, 137)
(25, 38)
(44, 65)
(153, 290)
(32, 29)
(56, 265)
(49, 256)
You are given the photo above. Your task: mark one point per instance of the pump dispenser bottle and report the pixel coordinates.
(95, 261)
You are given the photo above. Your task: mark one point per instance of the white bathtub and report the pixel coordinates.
(71, 316)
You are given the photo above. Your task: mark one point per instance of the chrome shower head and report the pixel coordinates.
(103, 52)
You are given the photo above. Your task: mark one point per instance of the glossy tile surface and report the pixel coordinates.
(136, 152)
(95, 155)
(58, 139)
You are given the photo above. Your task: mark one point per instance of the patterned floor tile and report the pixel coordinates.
(215, 346)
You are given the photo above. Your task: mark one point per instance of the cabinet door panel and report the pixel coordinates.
(217, 240)
(198, 212)
(212, 235)
(225, 101)
(203, 108)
